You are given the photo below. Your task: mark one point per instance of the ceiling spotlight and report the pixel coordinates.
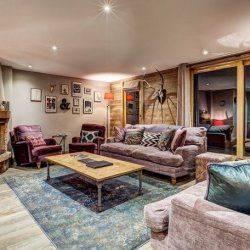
(207, 84)
(54, 48)
(143, 68)
(205, 52)
(30, 66)
(107, 8)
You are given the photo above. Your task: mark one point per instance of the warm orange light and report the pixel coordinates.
(109, 96)
(130, 97)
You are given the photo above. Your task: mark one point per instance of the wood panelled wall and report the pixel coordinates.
(153, 113)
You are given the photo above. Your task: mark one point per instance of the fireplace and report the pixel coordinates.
(4, 154)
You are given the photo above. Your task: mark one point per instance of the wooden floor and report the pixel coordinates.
(18, 229)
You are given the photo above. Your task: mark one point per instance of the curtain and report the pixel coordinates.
(2, 96)
(183, 96)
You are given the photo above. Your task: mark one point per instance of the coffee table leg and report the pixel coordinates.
(140, 181)
(48, 171)
(99, 186)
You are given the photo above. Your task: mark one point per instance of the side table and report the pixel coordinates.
(202, 160)
(62, 140)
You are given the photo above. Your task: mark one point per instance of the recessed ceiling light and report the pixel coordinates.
(107, 8)
(30, 66)
(207, 84)
(143, 68)
(205, 52)
(54, 48)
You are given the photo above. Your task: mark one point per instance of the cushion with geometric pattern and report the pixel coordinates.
(150, 139)
(36, 140)
(88, 136)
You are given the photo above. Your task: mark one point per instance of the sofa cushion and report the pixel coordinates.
(88, 136)
(150, 139)
(166, 138)
(36, 140)
(133, 136)
(119, 134)
(229, 185)
(179, 139)
(44, 150)
(153, 154)
(119, 148)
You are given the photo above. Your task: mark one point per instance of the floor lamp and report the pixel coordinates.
(109, 97)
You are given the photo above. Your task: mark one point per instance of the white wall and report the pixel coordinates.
(26, 112)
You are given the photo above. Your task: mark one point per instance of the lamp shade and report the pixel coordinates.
(130, 97)
(109, 96)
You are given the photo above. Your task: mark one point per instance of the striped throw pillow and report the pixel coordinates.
(150, 139)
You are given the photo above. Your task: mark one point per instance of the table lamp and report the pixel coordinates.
(109, 97)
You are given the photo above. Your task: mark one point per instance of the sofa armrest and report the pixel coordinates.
(76, 139)
(188, 153)
(196, 223)
(50, 141)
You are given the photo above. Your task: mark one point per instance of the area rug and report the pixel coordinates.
(66, 208)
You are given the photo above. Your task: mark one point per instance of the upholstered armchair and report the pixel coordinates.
(25, 152)
(91, 147)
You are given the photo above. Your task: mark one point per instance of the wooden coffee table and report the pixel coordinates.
(99, 175)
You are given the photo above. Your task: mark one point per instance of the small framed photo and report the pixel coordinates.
(50, 104)
(75, 110)
(76, 101)
(35, 95)
(76, 89)
(97, 96)
(64, 89)
(87, 106)
(87, 91)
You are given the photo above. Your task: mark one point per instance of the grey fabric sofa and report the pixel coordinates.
(187, 221)
(177, 164)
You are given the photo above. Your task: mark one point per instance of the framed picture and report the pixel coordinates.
(97, 96)
(87, 106)
(87, 91)
(50, 104)
(76, 89)
(64, 89)
(35, 95)
(76, 101)
(75, 110)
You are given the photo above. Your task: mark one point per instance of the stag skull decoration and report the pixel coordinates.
(161, 93)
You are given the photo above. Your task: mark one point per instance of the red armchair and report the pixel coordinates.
(91, 147)
(24, 152)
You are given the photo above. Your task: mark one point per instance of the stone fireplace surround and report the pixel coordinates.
(4, 154)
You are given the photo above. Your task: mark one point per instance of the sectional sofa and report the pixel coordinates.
(177, 164)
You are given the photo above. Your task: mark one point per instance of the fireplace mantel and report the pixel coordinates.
(5, 115)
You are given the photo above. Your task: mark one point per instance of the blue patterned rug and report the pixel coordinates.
(66, 208)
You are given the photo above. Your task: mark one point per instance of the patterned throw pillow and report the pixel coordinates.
(119, 134)
(88, 136)
(166, 138)
(179, 139)
(150, 139)
(133, 136)
(36, 140)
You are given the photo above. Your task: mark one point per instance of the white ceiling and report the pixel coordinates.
(150, 33)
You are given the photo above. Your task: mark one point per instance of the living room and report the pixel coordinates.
(124, 124)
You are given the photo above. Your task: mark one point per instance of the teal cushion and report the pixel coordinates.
(88, 136)
(229, 185)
